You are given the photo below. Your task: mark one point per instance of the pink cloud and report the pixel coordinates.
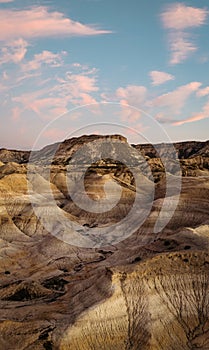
(203, 92)
(5, 1)
(26, 75)
(175, 100)
(84, 83)
(159, 77)
(203, 115)
(87, 99)
(189, 120)
(45, 57)
(78, 88)
(132, 94)
(179, 17)
(39, 102)
(40, 22)
(74, 89)
(14, 51)
(42, 106)
(181, 47)
(164, 118)
(129, 114)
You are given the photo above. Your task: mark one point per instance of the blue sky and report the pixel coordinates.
(150, 56)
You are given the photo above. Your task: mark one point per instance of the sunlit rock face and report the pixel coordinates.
(146, 290)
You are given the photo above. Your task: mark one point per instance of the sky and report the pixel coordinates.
(72, 67)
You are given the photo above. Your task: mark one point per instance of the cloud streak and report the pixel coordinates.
(181, 47)
(40, 22)
(175, 100)
(200, 116)
(178, 19)
(189, 120)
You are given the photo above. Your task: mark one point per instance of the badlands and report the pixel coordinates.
(104, 246)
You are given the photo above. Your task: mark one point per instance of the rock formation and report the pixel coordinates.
(135, 289)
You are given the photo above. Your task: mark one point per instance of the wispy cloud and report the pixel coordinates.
(25, 76)
(49, 102)
(181, 47)
(44, 106)
(163, 118)
(40, 22)
(78, 88)
(175, 100)
(203, 92)
(14, 51)
(45, 57)
(5, 1)
(202, 115)
(131, 95)
(159, 77)
(178, 19)
(189, 120)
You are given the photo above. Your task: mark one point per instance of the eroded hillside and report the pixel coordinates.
(132, 288)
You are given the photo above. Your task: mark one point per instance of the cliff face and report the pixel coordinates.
(146, 290)
(193, 155)
(188, 149)
(184, 150)
(14, 156)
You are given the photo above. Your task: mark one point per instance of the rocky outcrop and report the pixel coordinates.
(193, 155)
(13, 156)
(188, 149)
